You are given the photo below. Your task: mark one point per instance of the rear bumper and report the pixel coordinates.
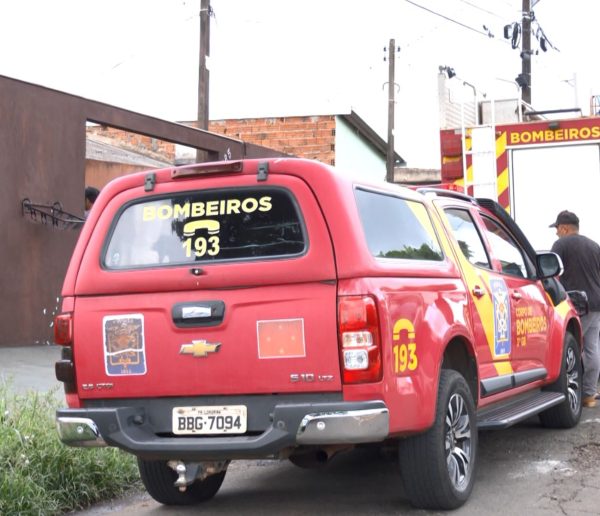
(310, 424)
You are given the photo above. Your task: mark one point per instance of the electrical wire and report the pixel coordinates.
(464, 25)
(485, 33)
(506, 2)
(539, 33)
(482, 9)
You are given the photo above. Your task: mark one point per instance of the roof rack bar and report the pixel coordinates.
(441, 192)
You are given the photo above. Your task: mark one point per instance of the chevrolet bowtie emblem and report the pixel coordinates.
(199, 348)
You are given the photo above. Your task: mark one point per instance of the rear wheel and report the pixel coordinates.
(159, 479)
(438, 467)
(568, 413)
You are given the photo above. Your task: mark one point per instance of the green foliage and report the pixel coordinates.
(41, 476)
(464, 247)
(425, 252)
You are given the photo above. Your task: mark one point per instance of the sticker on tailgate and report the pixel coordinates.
(281, 338)
(124, 352)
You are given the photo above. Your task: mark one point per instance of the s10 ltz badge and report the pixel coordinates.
(124, 349)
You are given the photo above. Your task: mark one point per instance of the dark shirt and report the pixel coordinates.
(581, 258)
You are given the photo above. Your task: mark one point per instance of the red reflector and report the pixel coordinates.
(207, 168)
(353, 312)
(63, 329)
(360, 343)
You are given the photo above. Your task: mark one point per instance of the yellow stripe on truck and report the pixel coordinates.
(483, 305)
(420, 212)
(562, 309)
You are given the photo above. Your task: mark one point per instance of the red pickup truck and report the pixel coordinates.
(281, 309)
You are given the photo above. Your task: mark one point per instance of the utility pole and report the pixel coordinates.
(526, 52)
(391, 104)
(203, 74)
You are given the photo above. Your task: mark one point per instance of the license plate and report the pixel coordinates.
(230, 419)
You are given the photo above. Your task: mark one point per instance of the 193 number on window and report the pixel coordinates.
(201, 246)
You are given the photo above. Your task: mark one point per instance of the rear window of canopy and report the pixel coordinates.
(206, 226)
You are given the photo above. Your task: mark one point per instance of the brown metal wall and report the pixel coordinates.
(99, 173)
(42, 158)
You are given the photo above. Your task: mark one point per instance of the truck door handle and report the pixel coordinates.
(478, 291)
(517, 295)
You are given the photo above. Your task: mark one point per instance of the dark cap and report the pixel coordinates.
(565, 217)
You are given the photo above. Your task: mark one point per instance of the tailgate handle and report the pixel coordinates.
(195, 314)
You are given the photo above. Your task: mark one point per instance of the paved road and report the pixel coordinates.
(524, 470)
(30, 367)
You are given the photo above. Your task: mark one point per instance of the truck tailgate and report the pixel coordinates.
(264, 340)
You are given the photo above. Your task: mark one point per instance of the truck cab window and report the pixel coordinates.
(397, 228)
(468, 238)
(506, 250)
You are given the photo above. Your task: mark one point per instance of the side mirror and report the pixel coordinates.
(548, 265)
(580, 301)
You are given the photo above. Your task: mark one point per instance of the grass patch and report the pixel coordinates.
(41, 476)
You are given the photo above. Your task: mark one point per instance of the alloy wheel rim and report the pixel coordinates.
(573, 387)
(458, 444)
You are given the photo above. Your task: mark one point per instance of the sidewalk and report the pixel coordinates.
(30, 368)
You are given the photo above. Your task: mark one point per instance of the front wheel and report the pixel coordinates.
(568, 413)
(159, 480)
(438, 467)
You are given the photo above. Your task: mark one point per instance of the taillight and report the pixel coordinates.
(64, 369)
(360, 343)
(63, 329)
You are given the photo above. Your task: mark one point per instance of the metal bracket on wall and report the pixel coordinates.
(50, 214)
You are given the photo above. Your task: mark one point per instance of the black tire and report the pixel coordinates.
(568, 413)
(158, 479)
(438, 467)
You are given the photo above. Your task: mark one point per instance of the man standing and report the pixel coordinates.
(91, 194)
(581, 259)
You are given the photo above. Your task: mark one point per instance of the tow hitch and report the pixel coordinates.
(189, 472)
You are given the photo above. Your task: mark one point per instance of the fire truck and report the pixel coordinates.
(534, 169)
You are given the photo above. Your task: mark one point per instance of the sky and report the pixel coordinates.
(285, 58)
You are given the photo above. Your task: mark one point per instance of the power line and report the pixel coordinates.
(178, 24)
(464, 25)
(507, 3)
(482, 9)
(542, 38)
(423, 35)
